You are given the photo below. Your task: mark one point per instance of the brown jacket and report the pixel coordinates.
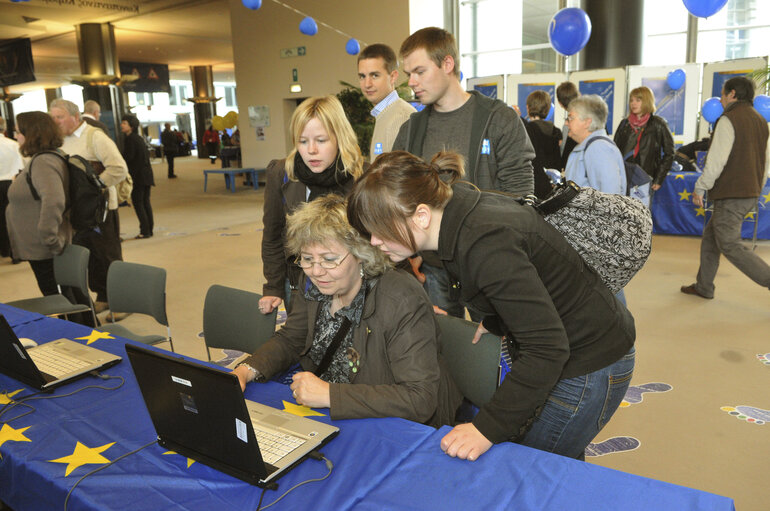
(281, 197)
(399, 373)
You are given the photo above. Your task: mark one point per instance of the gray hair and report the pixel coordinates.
(64, 104)
(91, 107)
(593, 107)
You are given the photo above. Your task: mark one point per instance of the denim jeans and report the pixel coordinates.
(437, 285)
(578, 408)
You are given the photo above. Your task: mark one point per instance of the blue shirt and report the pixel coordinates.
(601, 167)
(385, 103)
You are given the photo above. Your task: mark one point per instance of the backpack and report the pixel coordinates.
(87, 195)
(636, 177)
(611, 232)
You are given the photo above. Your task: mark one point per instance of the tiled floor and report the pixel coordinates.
(703, 366)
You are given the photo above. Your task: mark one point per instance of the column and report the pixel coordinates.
(99, 65)
(51, 94)
(6, 110)
(616, 34)
(205, 103)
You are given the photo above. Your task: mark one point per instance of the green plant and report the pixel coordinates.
(762, 78)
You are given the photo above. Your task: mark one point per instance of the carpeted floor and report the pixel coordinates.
(698, 413)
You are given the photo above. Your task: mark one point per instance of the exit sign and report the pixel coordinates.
(297, 51)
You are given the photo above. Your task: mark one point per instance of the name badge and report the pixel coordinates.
(378, 148)
(485, 146)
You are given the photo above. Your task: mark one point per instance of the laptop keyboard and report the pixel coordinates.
(56, 364)
(274, 445)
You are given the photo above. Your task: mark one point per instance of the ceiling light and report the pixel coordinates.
(295, 87)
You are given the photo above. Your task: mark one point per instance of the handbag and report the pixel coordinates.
(612, 233)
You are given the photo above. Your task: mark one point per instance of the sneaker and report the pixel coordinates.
(691, 290)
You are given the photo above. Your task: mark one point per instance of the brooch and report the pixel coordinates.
(354, 359)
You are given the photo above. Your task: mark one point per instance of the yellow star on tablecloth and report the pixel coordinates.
(679, 176)
(766, 197)
(5, 398)
(700, 212)
(302, 411)
(8, 434)
(190, 461)
(749, 216)
(83, 456)
(94, 336)
(684, 195)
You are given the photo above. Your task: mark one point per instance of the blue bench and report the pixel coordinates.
(230, 178)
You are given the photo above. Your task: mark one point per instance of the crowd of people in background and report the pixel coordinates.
(364, 254)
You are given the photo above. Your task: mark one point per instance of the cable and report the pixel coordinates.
(10, 406)
(66, 499)
(316, 456)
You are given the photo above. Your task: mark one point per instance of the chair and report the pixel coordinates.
(231, 319)
(70, 268)
(137, 288)
(475, 368)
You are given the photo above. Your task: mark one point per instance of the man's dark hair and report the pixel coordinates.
(743, 87)
(132, 121)
(565, 93)
(380, 51)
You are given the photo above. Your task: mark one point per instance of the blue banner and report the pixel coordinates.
(525, 89)
(669, 103)
(720, 77)
(152, 77)
(604, 87)
(487, 89)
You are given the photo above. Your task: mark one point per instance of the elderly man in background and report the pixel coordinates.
(95, 146)
(91, 113)
(10, 165)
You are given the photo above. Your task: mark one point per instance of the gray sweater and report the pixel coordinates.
(39, 229)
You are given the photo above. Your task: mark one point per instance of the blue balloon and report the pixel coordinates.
(352, 47)
(704, 8)
(676, 78)
(461, 76)
(762, 105)
(252, 4)
(712, 109)
(308, 26)
(549, 117)
(569, 30)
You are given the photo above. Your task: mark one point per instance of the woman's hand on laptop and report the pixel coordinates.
(310, 390)
(242, 372)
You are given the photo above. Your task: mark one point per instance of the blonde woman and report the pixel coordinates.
(325, 159)
(364, 334)
(645, 138)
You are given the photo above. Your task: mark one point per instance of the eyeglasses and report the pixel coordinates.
(326, 264)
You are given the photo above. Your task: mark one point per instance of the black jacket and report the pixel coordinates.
(656, 136)
(138, 160)
(520, 273)
(545, 138)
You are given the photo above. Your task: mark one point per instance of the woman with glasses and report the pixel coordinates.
(325, 159)
(364, 334)
(570, 340)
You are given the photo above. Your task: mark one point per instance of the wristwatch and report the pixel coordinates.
(254, 375)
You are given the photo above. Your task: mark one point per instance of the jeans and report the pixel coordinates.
(437, 285)
(578, 408)
(722, 235)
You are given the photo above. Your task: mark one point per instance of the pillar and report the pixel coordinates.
(205, 106)
(51, 94)
(616, 34)
(100, 72)
(6, 110)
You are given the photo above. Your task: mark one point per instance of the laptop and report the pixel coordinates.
(49, 365)
(200, 412)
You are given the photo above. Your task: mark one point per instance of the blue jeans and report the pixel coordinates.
(437, 285)
(578, 408)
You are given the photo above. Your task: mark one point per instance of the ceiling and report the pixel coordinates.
(180, 33)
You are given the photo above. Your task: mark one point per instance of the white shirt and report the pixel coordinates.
(10, 158)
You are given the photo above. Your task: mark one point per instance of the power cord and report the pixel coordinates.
(316, 456)
(66, 499)
(31, 397)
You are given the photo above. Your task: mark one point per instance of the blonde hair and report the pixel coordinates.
(328, 110)
(647, 98)
(324, 219)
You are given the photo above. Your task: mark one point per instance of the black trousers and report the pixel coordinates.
(170, 160)
(46, 281)
(5, 243)
(104, 244)
(140, 196)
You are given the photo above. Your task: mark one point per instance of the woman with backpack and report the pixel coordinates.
(39, 229)
(570, 340)
(138, 160)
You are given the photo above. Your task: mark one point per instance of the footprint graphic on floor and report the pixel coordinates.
(764, 358)
(634, 394)
(748, 414)
(613, 445)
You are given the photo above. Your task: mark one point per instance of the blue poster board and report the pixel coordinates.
(720, 77)
(487, 89)
(525, 89)
(605, 88)
(669, 103)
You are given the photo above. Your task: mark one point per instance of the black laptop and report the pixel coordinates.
(200, 412)
(49, 365)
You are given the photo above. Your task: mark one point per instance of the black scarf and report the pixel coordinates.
(331, 180)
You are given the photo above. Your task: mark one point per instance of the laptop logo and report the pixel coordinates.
(181, 381)
(21, 353)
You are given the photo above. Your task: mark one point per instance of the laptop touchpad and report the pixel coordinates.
(274, 420)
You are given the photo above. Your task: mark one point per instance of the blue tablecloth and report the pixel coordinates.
(379, 463)
(674, 213)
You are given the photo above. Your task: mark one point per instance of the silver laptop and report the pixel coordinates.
(49, 365)
(200, 412)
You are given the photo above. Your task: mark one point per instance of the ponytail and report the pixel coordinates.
(449, 162)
